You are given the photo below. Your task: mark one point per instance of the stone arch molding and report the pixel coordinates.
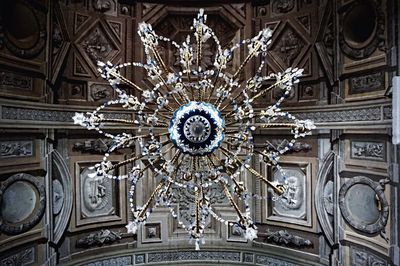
(62, 195)
(324, 196)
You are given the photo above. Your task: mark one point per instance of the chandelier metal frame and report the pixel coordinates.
(205, 119)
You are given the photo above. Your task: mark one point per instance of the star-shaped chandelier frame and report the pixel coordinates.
(205, 119)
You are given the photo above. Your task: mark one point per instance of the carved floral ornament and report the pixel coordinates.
(195, 113)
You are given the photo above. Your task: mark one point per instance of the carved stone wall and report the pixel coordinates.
(343, 205)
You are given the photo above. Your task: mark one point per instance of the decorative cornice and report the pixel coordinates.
(371, 114)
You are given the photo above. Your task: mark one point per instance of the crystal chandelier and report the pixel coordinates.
(205, 119)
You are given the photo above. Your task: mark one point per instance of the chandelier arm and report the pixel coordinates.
(276, 84)
(239, 94)
(261, 93)
(160, 61)
(221, 99)
(231, 123)
(214, 84)
(134, 158)
(276, 189)
(152, 196)
(227, 171)
(116, 75)
(122, 145)
(197, 214)
(249, 56)
(228, 194)
(158, 58)
(125, 121)
(161, 114)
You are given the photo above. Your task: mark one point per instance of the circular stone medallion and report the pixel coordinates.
(19, 201)
(196, 128)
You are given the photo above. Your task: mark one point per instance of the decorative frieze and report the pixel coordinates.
(19, 113)
(266, 260)
(120, 261)
(331, 115)
(16, 148)
(194, 255)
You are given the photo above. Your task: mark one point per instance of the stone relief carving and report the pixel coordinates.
(16, 148)
(363, 204)
(58, 196)
(98, 146)
(367, 83)
(370, 150)
(140, 259)
(282, 6)
(102, 5)
(294, 203)
(97, 45)
(57, 38)
(98, 239)
(11, 80)
(22, 258)
(185, 198)
(288, 46)
(287, 239)
(23, 201)
(328, 197)
(248, 257)
(152, 232)
(97, 195)
(100, 92)
(361, 257)
(237, 230)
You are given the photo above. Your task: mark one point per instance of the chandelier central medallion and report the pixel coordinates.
(197, 128)
(194, 129)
